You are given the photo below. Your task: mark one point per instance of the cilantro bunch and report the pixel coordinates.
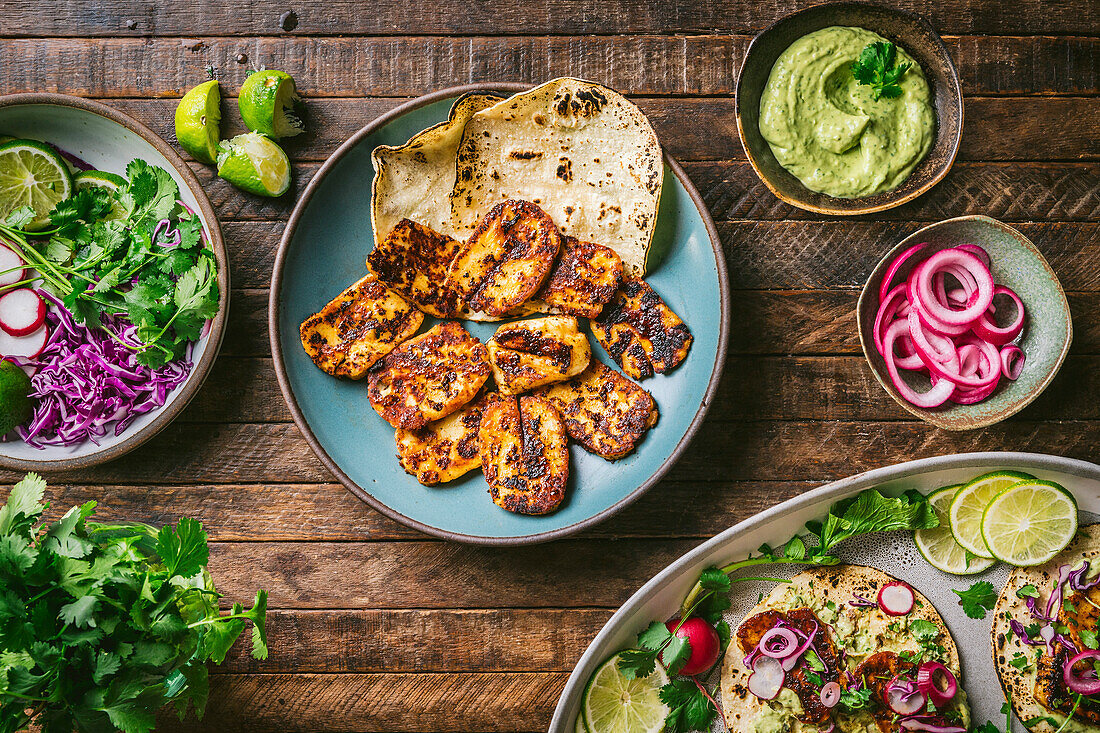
(878, 68)
(102, 625)
(106, 256)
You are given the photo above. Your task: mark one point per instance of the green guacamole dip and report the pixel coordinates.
(829, 131)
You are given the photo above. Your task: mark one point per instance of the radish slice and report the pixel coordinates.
(21, 312)
(767, 678)
(903, 697)
(12, 269)
(28, 346)
(896, 598)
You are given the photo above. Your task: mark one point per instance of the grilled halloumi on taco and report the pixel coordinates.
(1045, 643)
(822, 653)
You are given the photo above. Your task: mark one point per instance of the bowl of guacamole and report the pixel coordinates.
(849, 108)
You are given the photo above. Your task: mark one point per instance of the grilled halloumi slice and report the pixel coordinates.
(524, 454)
(506, 259)
(583, 279)
(360, 326)
(446, 449)
(413, 261)
(529, 354)
(603, 411)
(428, 377)
(640, 332)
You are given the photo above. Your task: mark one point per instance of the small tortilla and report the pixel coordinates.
(581, 151)
(1018, 684)
(414, 180)
(838, 584)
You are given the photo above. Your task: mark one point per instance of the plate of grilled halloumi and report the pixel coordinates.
(499, 313)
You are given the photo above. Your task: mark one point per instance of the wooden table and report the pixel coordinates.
(378, 628)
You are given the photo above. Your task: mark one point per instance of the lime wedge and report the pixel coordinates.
(197, 118)
(964, 515)
(938, 545)
(1030, 522)
(32, 174)
(614, 704)
(268, 102)
(15, 405)
(253, 163)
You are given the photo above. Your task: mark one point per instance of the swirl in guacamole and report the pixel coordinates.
(830, 131)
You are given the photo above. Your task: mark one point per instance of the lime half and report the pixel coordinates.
(1030, 522)
(15, 405)
(614, 704)
(938, 545)
(253, 163)
(102, 179)
(32, 174)
(964, 515)
(268, 102)
(197, 118)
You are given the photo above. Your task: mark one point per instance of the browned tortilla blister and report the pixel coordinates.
(428, 377)
(640, 332)
(524, 454)
(357, 328)
(529, 354)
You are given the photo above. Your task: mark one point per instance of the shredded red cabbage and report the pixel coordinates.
(87, 382)
(1077, 578)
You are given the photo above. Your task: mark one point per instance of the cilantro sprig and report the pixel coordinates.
(99, 264)
(878, 68)
(977, 599)
(101, 625)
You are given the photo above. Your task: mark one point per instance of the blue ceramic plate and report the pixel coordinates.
(323, 251)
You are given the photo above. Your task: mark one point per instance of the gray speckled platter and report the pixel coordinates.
(892, 552)
(1016, 263)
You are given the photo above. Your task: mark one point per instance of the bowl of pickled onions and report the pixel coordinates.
(964, 322)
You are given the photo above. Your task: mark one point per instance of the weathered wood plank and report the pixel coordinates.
(378, 66)
(571, 17)
(530, 640)
(769, 322)
(198, 453)
(366, 703)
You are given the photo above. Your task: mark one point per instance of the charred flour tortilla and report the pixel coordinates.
(581, 151)
(414, 181)
(857, 632)
(1020, 684)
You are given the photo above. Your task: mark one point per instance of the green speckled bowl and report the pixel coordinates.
(1017, 264)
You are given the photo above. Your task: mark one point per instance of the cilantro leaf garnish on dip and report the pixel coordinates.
(840, 135)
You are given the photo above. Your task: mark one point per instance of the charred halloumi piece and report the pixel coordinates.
(603, 410)
(428, 377)
(640, 332)
(413, 261)
(506, 259)
(529, 354)
(524, 454)
(446, 449)
(360, 326)
(584, 278)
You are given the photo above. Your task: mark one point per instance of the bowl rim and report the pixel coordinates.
(182, 395)
(361, 493)
(936, 417)
(954, 88)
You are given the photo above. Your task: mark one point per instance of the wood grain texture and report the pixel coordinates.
(362, 703)
(570, 17)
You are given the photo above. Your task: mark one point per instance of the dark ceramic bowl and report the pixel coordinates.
(1016, 263)
(907, 31)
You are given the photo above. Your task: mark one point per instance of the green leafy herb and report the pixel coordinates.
(878, 68)
(653, 643)
(1088, 638)
(690, 706)
(104, 266)
(1027, 591)
(855, 699)
(1020, 661)
(977, 599)
(101, 625)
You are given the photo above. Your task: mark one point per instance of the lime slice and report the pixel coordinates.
(267, 102)
(579, 727)
(253, 163)
(197, 118)
(32, 174)
(964, 515)
(6, 139)
(614, 704)
(1030, 522)
(15, 405)
(938, 545)
(102, 179)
